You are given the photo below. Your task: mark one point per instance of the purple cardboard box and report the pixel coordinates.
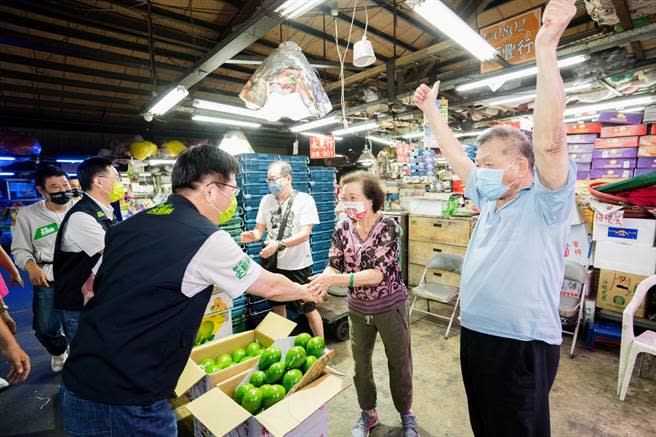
(580, 148)
(641, 171)
(623, 153)
(620, 117)
(614, 163)
(581, 157)
(582, 139)
(583, 166)
(646, 163)
(582, 175)
(613, 173)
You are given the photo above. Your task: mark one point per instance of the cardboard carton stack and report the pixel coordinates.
(619, 146)
(626, 255)
(580, 145)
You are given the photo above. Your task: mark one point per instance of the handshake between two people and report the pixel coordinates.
(319, 285)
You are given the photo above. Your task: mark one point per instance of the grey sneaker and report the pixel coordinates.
(409, 422)
(364, 424)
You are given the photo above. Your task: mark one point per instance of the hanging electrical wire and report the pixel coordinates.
(342, 60)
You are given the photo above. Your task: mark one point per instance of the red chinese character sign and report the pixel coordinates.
(402, 150)
(514, 38)
(322, 147)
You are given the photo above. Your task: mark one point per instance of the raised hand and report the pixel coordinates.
(425, 96)
(555, 19)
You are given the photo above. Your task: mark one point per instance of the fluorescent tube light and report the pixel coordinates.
(7, 158)
(170, 99)
(357, 128)
(70, 161)
(71, 175)
(473, 133)
(314, 124)
(525, 72)
(295, 8)
(317, 134)
(449, 23)
(7, 173)
(595, 116)
(515, 99)
(226, 121)
(229, 109)
(616, 104)
(380, 140)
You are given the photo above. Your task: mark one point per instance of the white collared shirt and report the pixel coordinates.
(84, 233)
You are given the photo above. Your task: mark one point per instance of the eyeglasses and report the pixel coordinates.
(235, 189)
(274, 178)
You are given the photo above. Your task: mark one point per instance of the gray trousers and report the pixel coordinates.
(394, 329)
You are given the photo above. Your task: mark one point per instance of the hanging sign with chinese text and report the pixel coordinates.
(514, 38)
(322, 147)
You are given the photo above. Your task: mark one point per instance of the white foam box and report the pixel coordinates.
(635, 232)
(638, 260)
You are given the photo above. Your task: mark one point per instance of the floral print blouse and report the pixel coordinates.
(351, 254)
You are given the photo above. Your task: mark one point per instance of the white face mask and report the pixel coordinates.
(355, 210)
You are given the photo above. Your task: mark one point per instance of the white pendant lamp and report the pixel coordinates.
(363, 52)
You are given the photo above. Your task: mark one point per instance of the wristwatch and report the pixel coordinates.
(281, 245)
(4, 307)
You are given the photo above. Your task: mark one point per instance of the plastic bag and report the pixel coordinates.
(286, 76)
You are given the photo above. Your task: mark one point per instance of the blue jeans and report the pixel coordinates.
(69, 321)
(47, 321)
(94, 419)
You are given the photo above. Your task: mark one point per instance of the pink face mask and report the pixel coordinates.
(355, 210)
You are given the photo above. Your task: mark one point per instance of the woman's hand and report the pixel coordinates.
(319, 284)
(20, 364)
(15, 278)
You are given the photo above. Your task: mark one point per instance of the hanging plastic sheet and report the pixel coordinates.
(286, 85)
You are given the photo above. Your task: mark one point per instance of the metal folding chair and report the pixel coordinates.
(569, 306)
(439, 292)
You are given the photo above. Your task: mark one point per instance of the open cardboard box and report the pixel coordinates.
(315, 371)
(194, 379)
(302, 413)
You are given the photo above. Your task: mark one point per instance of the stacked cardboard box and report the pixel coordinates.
(620, 145)
(626, 255)
(580, 145)
(647, 153)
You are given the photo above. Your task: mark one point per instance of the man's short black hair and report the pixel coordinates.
(45, 172)
(90, 168)
(196, 163)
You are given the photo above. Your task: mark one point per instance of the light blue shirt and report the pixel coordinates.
(514, 266)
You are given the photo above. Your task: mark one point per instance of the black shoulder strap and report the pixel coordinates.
(283, 225)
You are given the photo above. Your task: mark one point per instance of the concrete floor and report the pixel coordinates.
(583, 400)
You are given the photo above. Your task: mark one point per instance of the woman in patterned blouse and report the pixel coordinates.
(365, 257)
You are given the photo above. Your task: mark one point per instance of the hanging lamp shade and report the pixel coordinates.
(366, 157)
(363, 53)
(286, 85)
(235, 142)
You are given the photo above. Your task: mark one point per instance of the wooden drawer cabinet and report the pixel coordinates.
(422, 251)
(433, 275)
(440, 230)
(431, 235)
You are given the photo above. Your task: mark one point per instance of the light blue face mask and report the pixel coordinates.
(489, 182)
(276, 187)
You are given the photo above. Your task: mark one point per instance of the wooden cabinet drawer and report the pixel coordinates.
(440, 230)
(420, 252)
(433, 275)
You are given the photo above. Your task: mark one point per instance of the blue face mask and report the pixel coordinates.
(489, 182)
(276, 187)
